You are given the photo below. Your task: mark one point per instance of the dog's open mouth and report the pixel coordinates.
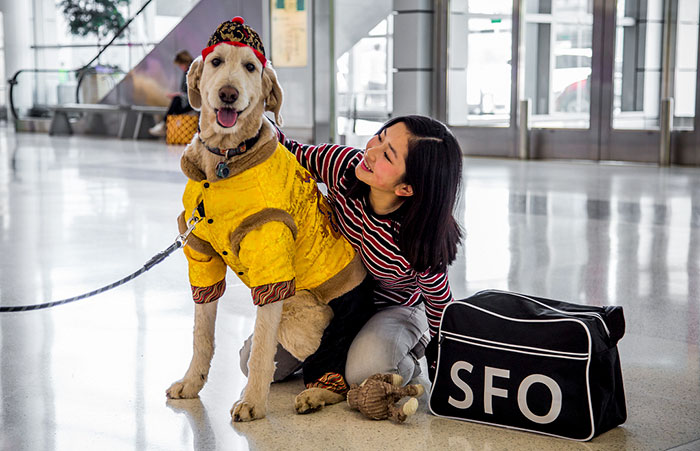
(226, 117)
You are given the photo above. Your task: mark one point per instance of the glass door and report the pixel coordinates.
(561, 77)
(557, 54)
(477, 97)
(595, 73)
(656, 55)
(479, 77)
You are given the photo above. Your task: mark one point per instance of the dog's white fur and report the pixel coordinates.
(298, 322)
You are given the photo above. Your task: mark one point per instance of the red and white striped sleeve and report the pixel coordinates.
(436, 291)
(326, 162)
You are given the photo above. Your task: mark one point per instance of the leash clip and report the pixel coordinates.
(181, 239)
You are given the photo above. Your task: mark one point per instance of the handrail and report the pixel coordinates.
(13, 82)
(81, 71)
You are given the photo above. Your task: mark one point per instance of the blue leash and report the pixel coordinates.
(180, 241)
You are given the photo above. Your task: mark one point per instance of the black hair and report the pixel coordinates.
(183, 57)
(426, 231)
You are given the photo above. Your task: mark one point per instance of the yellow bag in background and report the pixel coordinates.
(180, 128)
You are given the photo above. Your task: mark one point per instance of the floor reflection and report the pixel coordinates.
(202, 433)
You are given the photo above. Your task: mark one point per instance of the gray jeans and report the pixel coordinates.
(388, 343)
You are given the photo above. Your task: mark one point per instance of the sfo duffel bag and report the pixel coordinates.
(532, 364)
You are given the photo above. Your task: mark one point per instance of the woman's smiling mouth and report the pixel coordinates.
(363, 165)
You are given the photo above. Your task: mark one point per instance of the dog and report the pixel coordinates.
(257, 211)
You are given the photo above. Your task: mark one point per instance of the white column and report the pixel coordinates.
(413, 65)
(458, 38)
(18, 28)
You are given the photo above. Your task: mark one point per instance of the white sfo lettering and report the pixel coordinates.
(554, 389)
(468, 394)
(491, 390)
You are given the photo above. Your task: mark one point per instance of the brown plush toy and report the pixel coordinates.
(376, 397)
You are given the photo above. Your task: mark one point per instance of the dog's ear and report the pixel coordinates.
(194, 74)
(273, 90)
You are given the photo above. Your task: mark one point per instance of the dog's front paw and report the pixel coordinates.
(246, 411)
(184, 388)
(314, 398)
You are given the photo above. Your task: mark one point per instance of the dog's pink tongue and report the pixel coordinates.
(227, 117)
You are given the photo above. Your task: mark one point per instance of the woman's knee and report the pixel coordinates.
(383, 346)
(358, 368)
(369, 354)
(358, 371)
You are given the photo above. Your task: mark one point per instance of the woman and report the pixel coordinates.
(394, 203)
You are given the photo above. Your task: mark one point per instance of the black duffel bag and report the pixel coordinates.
(531, 364)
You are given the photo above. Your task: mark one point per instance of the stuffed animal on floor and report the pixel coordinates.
(377, 396)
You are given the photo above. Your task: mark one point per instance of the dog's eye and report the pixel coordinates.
(216, 61)
(250, 67)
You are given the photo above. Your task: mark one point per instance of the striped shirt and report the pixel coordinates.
(371, 234)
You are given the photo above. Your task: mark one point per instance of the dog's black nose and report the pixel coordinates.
(228, 94)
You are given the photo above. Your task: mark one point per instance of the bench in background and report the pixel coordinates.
(134, 120)
(144, 119)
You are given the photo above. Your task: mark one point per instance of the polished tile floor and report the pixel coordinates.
(77, 213)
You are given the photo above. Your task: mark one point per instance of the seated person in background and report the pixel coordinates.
(179, 104)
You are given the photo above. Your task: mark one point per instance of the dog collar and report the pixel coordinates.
(222, 170)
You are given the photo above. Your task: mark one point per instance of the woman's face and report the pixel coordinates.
(384, 164)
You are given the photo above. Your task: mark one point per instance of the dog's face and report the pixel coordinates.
(232, 89)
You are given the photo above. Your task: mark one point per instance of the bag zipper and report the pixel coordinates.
(589, 314)
(513, 347)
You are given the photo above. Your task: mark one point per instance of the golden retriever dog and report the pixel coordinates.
(257, 211)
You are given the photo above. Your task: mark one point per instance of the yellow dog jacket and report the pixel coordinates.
(269, 224)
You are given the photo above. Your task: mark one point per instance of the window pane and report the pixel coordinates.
(491, 7)
(638, 64)
(684, 82)
(684, 99)
(572, 69)
(557, 62)
(364, 84)
(637, 77)
(479, 77)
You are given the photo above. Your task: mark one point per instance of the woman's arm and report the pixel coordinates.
(325, 162)
(437, 294)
